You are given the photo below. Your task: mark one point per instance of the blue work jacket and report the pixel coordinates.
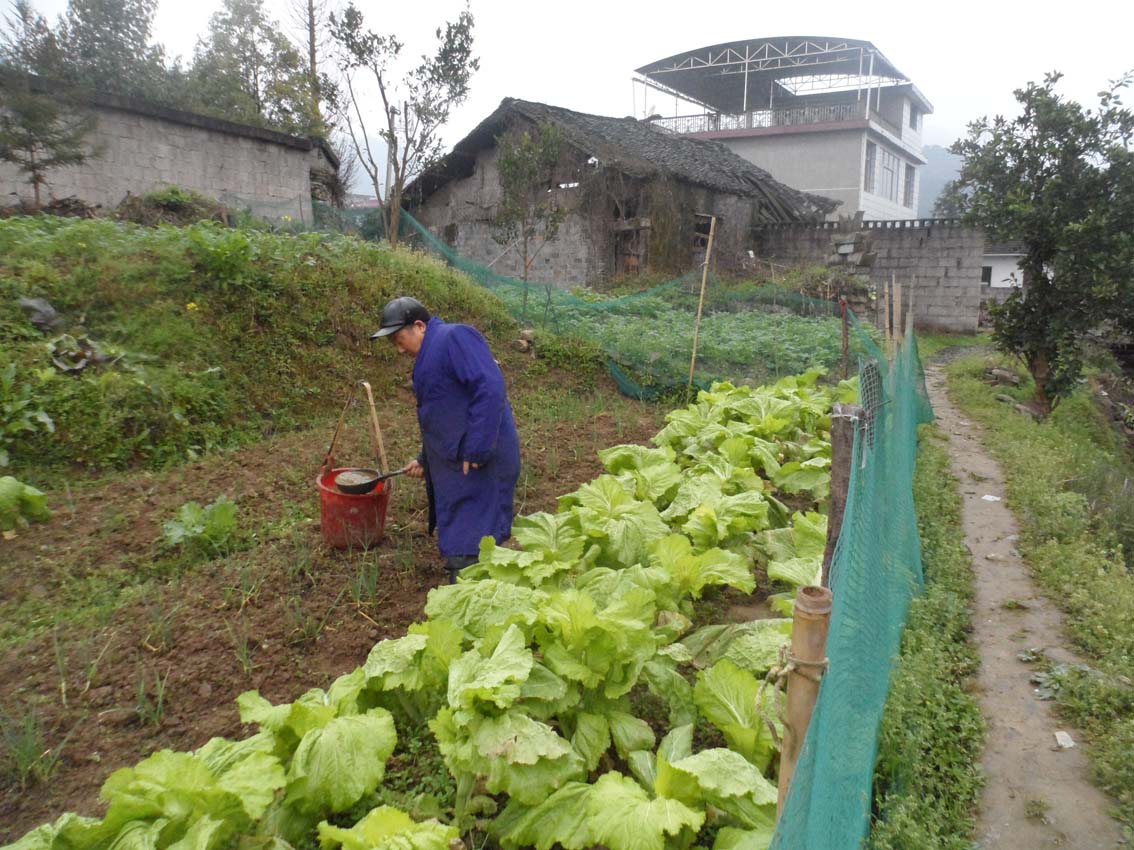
(463, 410)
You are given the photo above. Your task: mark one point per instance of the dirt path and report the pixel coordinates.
(1037, 795)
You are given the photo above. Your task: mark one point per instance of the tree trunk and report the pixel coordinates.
(37, 178)
(395, 218)
(1040, 369)
(311, 47)
(313, 71)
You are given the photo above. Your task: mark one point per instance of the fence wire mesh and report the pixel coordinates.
(752, 331)
(875, 574)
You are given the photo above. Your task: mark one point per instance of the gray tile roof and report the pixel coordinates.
(637, 149)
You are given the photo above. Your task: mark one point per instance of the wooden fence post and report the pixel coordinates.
(843, 419)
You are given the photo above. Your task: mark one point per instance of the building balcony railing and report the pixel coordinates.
(792, 116)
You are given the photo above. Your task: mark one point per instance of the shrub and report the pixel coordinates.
(171, 205)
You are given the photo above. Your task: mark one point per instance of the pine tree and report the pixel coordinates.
(248, 69)
(107, 45)
(39, 134)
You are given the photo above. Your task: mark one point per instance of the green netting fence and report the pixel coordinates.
(752, 332)
(875, 574)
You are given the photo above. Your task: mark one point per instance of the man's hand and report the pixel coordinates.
(469, 466)
(415, 469)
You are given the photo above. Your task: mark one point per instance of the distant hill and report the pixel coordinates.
(940, 167)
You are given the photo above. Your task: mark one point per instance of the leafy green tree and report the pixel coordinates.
(246, 69)
(951, 202)
(100, 44)
(107, 44)
(39, 134)
(529, 212)
(427, 94)
(28, 43)
(1059, 179)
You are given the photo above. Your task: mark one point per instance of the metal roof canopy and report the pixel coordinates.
(740, 76)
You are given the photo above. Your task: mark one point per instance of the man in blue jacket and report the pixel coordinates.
(470, 456)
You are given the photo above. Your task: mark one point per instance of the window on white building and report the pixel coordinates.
(986, 274)
(888, 176)
(911, 183)
(868, 175)
(915, 114)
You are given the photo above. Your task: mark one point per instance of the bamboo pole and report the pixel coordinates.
(846, 338)
(377, 431)
(910, 309)
(701, 300)
(810, 622)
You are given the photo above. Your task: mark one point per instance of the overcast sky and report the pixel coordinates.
(966, 57)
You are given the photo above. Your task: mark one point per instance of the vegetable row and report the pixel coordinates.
(533, 673)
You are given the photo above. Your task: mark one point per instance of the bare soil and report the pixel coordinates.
(100, 616)
(1037, 794)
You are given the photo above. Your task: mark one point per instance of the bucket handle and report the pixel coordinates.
(329, 458)
(378, 444)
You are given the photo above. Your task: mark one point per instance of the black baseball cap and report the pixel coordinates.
(400, 313)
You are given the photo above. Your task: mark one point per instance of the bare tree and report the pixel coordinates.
(427, 94)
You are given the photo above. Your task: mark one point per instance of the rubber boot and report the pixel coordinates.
(455, 563)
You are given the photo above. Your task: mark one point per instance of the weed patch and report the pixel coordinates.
(927, 780)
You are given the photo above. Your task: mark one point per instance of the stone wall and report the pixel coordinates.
(140, 147)
(939, 260)
(462, 212)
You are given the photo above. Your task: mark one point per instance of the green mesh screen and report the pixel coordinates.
(875, 573)
(750, 333)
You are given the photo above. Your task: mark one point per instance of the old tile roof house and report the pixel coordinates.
(631, 194)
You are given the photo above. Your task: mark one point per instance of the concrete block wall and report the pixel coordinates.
(939, 261)
(136, 153)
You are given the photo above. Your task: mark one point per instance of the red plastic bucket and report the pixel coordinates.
(351, 521)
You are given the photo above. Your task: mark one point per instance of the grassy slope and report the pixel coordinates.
(927, 781)
(222, 336)
(1067, 483)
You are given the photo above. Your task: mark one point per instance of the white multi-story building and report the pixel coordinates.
(824, 115)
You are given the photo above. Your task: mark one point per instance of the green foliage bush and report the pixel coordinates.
(221, 335)
(171, 205)
(18, 413)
